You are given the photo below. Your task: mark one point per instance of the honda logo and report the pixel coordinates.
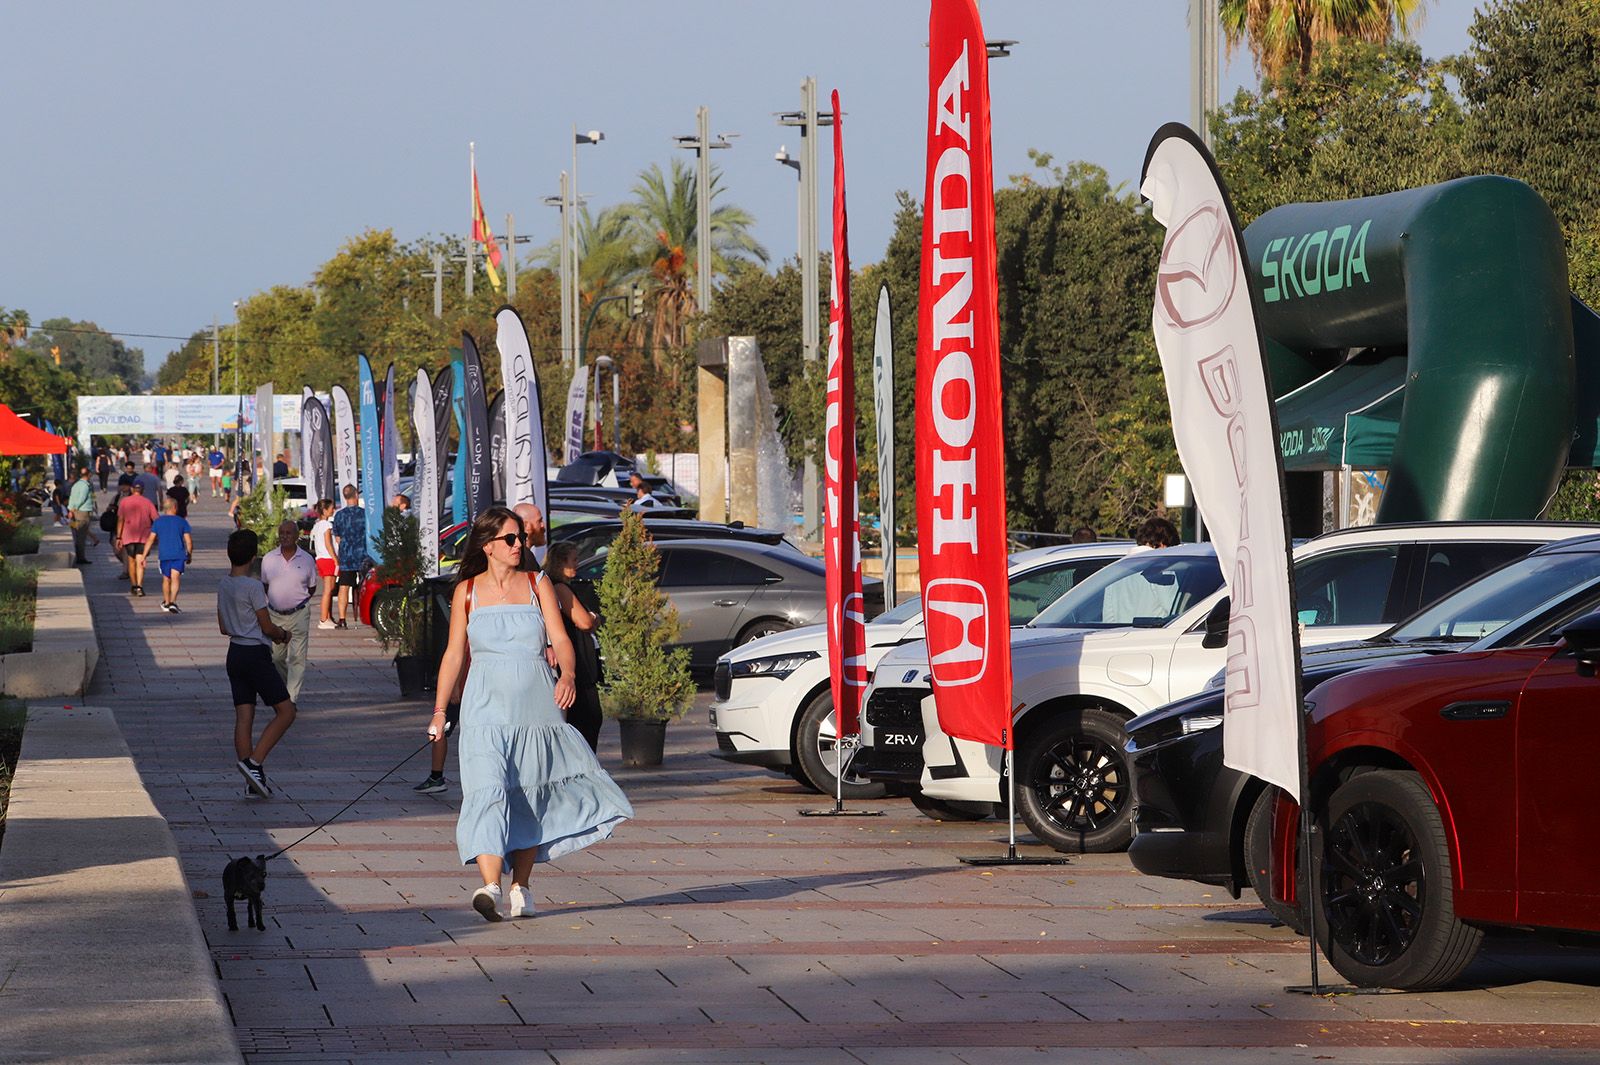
(956, 614)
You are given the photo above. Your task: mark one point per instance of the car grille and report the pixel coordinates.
(722, 678)
(896, 708)
(897, 711)
(725, 743)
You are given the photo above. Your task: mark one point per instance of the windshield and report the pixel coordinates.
(1147, 589)
(902, 613)
(1501, 597)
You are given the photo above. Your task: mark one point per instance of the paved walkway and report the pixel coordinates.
(719, 926)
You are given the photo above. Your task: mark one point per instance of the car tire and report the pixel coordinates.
(387, 611)
(810, 758)
(1386, 905)
(951, 809)
(757, 629)
(1257, 846)
(1073, 785)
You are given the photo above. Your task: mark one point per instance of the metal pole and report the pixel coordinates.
(438, 284)
(1204, 20)
(811, 484)
(616, 405)
(568, 338)
(702, 224)
(511, 256)
(216, 355)
(472, 208)
(572, 228)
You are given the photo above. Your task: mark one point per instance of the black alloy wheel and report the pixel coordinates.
(1073, 783)
(1387, 892)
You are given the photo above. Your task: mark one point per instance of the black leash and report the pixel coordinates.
(426, 744)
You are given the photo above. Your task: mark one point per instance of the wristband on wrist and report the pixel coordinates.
(439, 713)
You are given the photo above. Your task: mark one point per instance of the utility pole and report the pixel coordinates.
(560, 203)
(216, 354)
(472, 207)
(438, 283)
(1203, 23)
(702, 144)
(808, 122)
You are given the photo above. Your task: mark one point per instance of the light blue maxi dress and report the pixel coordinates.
(528, 779)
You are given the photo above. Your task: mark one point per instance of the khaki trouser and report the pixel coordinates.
(290, 658)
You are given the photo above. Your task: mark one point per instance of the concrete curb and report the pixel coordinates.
(65, 650)
(101, 954)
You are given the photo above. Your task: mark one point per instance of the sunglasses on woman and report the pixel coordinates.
(510, 539)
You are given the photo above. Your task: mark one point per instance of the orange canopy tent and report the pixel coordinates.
(18, 437)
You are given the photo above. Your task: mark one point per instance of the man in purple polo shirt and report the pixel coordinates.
(290, 575)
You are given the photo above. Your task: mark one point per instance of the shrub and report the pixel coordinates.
(645, 678)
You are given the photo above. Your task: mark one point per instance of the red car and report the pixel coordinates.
(450, 540)
(1450, 794)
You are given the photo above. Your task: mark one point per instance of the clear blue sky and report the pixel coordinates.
(165, 159)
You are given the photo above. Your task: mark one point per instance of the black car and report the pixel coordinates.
(593, 535)
(605, 493)
(1196, 819)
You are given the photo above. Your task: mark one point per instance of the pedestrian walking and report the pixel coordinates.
(172, 542)
(179, 493)
(290, 576)
(227, 486)
(152, 488)
(135, 516)
(80, 515)
(581, 625)
(532, 790)
(350, 539)
(103, 465)
(242, 617)
(327, 557)
(215, 460)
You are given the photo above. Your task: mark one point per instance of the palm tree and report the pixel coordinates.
(1284, 34)
(663, 221)
(13, 330)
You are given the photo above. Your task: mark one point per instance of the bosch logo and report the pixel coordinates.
(1199, 269)
(956, 614)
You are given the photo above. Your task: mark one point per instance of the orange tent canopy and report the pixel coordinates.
(18, 437)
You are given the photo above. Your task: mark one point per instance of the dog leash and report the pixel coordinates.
(426, 744)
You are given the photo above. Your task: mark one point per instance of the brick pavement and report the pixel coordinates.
(720, 926)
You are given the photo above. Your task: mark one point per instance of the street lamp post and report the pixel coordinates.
(560, 203)
(593, 136)
(701, 144)
(238, 418)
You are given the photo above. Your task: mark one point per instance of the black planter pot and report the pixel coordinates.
(643, 741)
(412, 672)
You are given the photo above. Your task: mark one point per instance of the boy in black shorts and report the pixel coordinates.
(242, 617)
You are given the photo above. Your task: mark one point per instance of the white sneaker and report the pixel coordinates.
(486, 900)
(521, 904)
(326, 625)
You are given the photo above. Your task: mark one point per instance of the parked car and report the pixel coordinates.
(1151, 629)
(596, 467)
(593, 536)
(375, 595)
(565, 511)
(1451, 794)
(621, 497)
(729, 592)
(774, 703)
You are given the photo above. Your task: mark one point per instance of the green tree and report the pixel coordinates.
(1284, 35)
(646, 677)
(85, 348)
(1367, 119)
(13, 329)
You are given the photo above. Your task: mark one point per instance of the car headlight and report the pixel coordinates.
(1199, 723)
(776, 666)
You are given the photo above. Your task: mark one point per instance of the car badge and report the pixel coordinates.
(910, 676)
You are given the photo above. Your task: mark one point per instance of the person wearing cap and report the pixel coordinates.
(290, 576)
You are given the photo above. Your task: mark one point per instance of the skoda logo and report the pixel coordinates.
(955, 612)
(1199, 269)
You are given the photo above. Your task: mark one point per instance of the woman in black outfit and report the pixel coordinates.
(561, 566)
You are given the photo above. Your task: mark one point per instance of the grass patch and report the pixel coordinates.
(25, 541)
(18, 586)
(12, 714)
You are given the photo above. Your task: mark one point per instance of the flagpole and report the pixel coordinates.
(472, 206)
(1011, 857)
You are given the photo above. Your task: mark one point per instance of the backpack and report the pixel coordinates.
(108, 517)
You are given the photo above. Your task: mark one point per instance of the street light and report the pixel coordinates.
(593, 136)
(701, 144)
(605, 362)
(998, 49)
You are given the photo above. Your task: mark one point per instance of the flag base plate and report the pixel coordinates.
(841, 813)
(1015, 859)
(1328, 990)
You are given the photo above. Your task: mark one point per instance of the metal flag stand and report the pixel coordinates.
(1011, 857)
(841, 744)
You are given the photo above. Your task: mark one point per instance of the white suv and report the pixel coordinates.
(774, 707)
(1139, 634)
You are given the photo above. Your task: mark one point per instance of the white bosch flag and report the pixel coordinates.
(425, 496)
(526, 462)
(344, 443)
(1227, 434)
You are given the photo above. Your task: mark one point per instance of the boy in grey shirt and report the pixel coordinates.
(242, 617)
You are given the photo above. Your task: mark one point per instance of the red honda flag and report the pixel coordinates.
(960, 461)
(841, 530)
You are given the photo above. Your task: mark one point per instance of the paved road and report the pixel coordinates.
(719, 926)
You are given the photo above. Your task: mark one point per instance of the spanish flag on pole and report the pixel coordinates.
(482, 234)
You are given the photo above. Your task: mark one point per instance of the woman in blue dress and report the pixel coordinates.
(531, 789)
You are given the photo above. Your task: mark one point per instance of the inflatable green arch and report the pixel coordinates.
(1429, 332)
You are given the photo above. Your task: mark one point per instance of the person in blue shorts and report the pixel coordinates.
(172, 542)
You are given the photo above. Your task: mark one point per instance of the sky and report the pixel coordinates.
(165, 159)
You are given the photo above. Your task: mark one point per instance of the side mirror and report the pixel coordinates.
(1217, 624)
(1583, 639)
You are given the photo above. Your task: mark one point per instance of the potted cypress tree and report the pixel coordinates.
(647, 682)
(398, 617)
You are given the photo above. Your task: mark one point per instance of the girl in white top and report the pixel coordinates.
(322, 547)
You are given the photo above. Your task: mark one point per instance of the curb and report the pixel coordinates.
(101, 953)
(65, 650)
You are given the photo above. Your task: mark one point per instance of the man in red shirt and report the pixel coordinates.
(135, 515)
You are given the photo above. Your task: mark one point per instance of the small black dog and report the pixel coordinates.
(245, 878)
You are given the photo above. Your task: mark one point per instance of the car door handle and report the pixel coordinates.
(724, 602)
(1475, 711)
